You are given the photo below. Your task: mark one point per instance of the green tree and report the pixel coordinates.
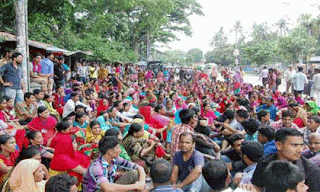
(194, 55)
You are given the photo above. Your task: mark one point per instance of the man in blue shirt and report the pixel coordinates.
(266, 138)
(187, 165)
(11, 78)
(47, 69)
(268, 106)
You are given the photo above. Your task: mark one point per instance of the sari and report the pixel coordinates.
(149, 119)
(313, 107)
(101, 107)
(65, 157)
(9, 161)
(45, 126)
(209, 114)
(22, 178)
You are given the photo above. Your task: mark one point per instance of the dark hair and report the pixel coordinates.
(138, 116)
(116, 104)
(27, 95)
(300, 69)
(48, 53)
(279, 176)
(73, 94)
(215, 173)
(31, 134)
(243, 113)
(250, 125)
(2, 99)
(187, 134)
(15, 55)
(41, 109)
(7, 98)
(62, 126)
(4, 139)
(27, 153)
(158, 108)
(134, 127)
(107, 143)
(267, 132)
(282, 134)
(252, 149)
(79, 107)
(60, 183)
(186, 115)
(287, 113)
(37, 91)
(46, 96)
(112, 132)
(235, 137)
(160, 171)
(315, 119)
(262, 113)
(229, 114)
(79, 115)
(93, 123)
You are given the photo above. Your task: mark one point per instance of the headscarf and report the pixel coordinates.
(65, 157)
(101, 107)
(22, 178)
(150, 120)
(281, 102)
(313, 107)
(90, 136)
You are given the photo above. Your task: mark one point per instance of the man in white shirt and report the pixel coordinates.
(299, 80)
(264, 76)
(72, 103)
(288, 74)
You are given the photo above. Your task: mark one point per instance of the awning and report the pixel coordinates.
(49, 47)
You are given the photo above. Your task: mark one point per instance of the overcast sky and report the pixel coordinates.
(226, 12)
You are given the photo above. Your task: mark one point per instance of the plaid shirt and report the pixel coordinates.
(23, 111)
(102, 172)
(178, 130)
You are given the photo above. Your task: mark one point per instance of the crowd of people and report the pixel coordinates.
(119, 127)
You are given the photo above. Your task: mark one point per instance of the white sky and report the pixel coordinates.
(226, 12)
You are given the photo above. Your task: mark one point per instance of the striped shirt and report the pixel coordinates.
(102, 172)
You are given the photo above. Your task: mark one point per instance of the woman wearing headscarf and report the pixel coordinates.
(237, 82)
(28, 175)
(66, 157)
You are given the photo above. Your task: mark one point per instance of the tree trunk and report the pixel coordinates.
(22, 37)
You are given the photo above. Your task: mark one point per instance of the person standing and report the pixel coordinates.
(264, 76)
(299, 80)
(7, 58)
(59, 72)
(11, 78)
(287, 76)
(315, 90)
(47, 69)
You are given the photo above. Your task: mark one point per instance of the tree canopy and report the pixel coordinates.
(112, 29)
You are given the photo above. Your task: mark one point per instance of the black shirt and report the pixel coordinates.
(58, 72)
(311, 171)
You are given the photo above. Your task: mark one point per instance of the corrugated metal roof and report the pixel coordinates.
(49, 47)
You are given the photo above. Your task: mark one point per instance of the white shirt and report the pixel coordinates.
(70, 107)
(299, 80)
(289, 74)
(264, 73)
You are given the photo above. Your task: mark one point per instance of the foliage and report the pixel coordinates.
(112, 29)
(194, 55)
(174, 57)
(223, 55)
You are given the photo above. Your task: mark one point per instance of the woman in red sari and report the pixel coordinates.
(66, 157)
(44, 123)
(8, 153)
(208, 113)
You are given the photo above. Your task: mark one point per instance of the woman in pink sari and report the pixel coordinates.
(44, 123)
(149, 117)
(180, 104)
(208, 113)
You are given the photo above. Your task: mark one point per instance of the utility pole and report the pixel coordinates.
(22, 37)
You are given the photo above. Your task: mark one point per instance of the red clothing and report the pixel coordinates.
(9, 161)
(299, 122)
(45, 126)
(149, 119)
(58, 103)
(65, 157)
